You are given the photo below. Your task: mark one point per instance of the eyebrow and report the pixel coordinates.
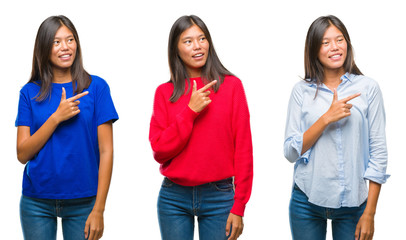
(187, 37)
(338, 36)
(69, 36)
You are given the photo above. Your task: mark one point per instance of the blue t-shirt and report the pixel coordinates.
(67, 166)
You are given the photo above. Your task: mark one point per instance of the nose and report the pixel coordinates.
(196, 45)
(334, 45)
(64, 45)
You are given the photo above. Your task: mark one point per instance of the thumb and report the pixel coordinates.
(63, 94)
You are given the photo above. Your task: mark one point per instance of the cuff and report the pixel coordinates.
(376, 176)
(188, 114)
(297, 144)
(238, 208)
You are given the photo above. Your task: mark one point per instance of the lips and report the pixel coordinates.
(65, 56)
(336, 56)
(198, 55)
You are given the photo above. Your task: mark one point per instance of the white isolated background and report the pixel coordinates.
(262, 42)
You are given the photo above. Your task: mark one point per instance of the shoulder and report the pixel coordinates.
(30, 88)
(165, 88)
(365, 82)
(302, 86)
(232, 80)
(98, 81)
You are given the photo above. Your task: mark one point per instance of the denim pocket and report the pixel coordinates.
(223, 186)
(167, 183)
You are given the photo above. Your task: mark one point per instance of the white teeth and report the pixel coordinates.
(64, 56)
(198, 55)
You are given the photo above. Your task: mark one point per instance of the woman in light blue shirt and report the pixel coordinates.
(335, 135)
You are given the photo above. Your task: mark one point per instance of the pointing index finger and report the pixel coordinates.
(207, 86)
(345, 100)
(76, 97)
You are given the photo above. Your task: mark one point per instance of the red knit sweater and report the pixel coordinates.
(198, 148)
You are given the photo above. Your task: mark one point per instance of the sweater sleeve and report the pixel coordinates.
(243, 157)
(169, 138)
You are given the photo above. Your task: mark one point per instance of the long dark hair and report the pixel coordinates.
(212, 70)
(314, 70)
(41, 65)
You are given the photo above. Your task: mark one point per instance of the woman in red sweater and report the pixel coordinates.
(200, 134)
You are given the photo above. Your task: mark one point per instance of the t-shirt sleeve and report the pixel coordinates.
(24, 116)
(105, 110)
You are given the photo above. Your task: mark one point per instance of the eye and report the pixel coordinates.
(56, 42)
(71, 40)
(202, 39)
(325, 43)
(188, 42)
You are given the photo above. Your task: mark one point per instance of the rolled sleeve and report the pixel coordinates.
(293, 148)
(376, 176)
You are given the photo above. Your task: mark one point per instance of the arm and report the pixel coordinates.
(243, 162)
(377, 162)
(338, 110)
(28, 146)
(365, 226)
(95, 224)
(168, 139)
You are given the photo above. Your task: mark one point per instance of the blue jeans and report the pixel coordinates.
(39, 217)
(178, 205)
(309, 221)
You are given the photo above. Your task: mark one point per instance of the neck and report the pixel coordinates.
(195, 73)
(332, 77)
(61, 75)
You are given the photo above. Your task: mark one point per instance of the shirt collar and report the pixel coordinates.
(344, 78)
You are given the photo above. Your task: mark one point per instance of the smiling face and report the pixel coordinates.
(333, 50)
(63, 51)
(193, 49)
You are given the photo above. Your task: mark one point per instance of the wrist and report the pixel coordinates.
(325, 120)
(55, 119)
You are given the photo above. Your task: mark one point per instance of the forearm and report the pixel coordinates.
(373, 195)
(29, 145)
(105, 173)
(313, 133)
(105, 139)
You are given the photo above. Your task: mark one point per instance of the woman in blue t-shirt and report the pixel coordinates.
(65, 138)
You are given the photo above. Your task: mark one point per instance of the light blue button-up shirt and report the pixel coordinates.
(333, 172)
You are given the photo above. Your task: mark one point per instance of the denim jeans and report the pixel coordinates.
(39, 217)
(309, 221)
(178, 205)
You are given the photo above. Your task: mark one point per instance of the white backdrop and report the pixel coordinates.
(262, 42)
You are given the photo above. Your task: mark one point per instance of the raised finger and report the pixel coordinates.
(76, 97)
(63, 97)
(335, 97)
(345, 100)
(207, 86)
(194, 89)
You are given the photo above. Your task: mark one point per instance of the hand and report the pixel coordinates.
(365, 227)
(68, 108)
(94, 226)
(339, 109)
(200, 98)
(236, 224)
